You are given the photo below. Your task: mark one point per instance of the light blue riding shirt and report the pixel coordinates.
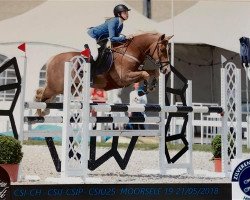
(109, 29)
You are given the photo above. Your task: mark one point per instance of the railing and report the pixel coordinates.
(209, 122)
(199, 119)
(4, 126)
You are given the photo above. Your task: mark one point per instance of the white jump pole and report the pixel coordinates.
(162, 114)
(66, 118)
(85, 117)
(75, 136)
(22, 100)
(224, 128)
(231, 121)
(189, 130)
(238, 114)
(21, 109)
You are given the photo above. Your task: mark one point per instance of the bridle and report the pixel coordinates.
(158, 62)
(150, 57)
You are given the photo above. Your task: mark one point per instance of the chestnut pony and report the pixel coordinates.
(127, 67)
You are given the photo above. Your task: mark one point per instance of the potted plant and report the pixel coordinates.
(216, 151)
(10, 156)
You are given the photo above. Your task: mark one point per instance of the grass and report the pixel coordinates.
(245, 149)
(141, 146)
(38, 142)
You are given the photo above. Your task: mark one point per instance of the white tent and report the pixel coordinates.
(202, 33)
(65, 22)
(218, 23)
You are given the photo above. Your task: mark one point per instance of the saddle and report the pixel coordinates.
(104, 61)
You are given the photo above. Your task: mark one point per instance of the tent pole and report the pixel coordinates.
(172, 52)
(172, 128)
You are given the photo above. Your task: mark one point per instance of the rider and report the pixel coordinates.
(110, 29)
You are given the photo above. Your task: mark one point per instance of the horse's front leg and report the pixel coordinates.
(154, 76)
(153, 73)
(134, 77)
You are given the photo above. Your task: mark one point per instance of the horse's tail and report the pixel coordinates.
(39, 95)
(38, 98)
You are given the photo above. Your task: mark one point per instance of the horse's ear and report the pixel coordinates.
(162, 36)
(166, 39)
(169, 37)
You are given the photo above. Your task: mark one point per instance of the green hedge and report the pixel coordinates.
(216, 146)
(10, 150)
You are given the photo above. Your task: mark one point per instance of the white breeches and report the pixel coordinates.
(93, 47)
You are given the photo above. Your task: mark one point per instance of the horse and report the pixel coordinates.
(126, 69)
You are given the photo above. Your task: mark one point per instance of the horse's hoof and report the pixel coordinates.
(45, 112)
(42, 113)
(151, 89)
(140, 93)
(38, 112)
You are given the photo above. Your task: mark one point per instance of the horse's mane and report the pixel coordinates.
(140, 34)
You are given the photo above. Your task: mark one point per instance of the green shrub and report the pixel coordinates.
(216, 146)
(10, 150)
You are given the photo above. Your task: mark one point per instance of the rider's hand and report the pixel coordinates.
(129, 37)
(108, 45)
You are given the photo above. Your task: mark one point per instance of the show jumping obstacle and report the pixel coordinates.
(76, 155)
(76, 126)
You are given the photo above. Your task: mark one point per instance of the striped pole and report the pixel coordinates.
(127, 108)
(59, 119)
(44, 105)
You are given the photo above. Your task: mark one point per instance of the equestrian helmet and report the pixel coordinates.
(120, 8)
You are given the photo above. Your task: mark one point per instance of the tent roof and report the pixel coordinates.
(65, 22)
(216, 23)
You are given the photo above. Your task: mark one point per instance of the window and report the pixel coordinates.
(42, 76)
(7, 77)
(42, 81)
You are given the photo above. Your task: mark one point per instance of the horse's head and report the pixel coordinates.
(159, 51)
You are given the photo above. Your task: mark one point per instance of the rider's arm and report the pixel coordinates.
(112, 27)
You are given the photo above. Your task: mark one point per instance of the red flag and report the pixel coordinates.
(86, 53)
(22, 47)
